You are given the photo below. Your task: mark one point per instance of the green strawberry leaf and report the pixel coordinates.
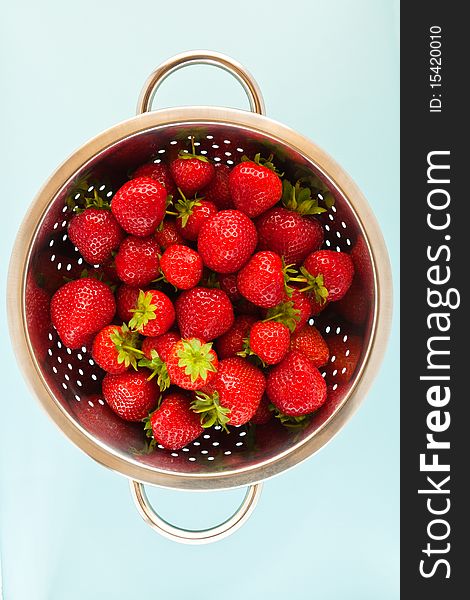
(196, 359)
(158, 368)
(284, 313)
(211, 411)
(144, 312)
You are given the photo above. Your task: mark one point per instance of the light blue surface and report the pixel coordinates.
(327, 529)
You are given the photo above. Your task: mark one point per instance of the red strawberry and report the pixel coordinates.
(262, 279)
(137, 261)
(354, 306)
(329, 274)
(115, 349)
(345, 352)
(126, 300)
(237, 390)
(227, 241)
(203, 313)
(139, 206)
(162, 344)
(218, 190)
(131, 394)
(310, 341)
(154, 313)
(231, 342)
(192, 214)
(228, 283)
(96, 233)
(318, 305)
(289, 234)
(191, 172)
(167, 234)
(262, 415)
(181, 266)
(362, 264)
(191, 363)
(294, 311)
(174, 424)
(254, 186)
(269, 341)
(38, 318)
(79, 309)
(160, 172)
(295, 386)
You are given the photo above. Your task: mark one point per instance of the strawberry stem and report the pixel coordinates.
(211, 411)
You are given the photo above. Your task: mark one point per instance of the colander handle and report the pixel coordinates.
(201, 57)
(187, 536)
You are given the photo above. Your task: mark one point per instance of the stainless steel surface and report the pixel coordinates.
(61, 378)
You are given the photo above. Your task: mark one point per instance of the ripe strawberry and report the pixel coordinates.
(115, 349)
(262, 279)
(160, 172)
(227, 241)
(362, 264)
(154, 313)
(181, 266)
(344, 357)
(167, 234)
(191, 172)
(203, 313)
(96, 233)
(310, 341)
(329, 274)
(354, 306)
(139, 206)
(231, 342)
(126, 300)
(262, 415)
(191, 363)
(255, 186)
(236, 392)
(228, 283)
(131, 394)
(294, 311)
(79, 309)
(218, 190)
(162, 344)
(137, 262)
(191, 216)
(269, 341)
(174, 425)
(295, 386)
(38, 318)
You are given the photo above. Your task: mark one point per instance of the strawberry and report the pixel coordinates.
(328, 274)
(139, 206)
(262, 279)
(254, 186)
(310, 341)
(236, 392)
(174, 425)
(354, 306)
(38, 318)
(96, 233)
(154, 313)
(126, 300)
(137, 261)
(191, 172)
(270, 341)
(160, 172)
(191, 215)
(167, 234)
(191, 363)
(345, 352)
(162, 344)
(295, 386)
(228, 283)
(181, 266)
(79, 309)
(226, 241)
(293, 312)
(231, 342)
(218, 190)
(131, 394)
(115, 349)
(262, 415)
(203, 313)
(362, 264)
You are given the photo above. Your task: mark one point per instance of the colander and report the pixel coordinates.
(67, 382)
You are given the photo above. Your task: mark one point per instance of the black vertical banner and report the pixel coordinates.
(435, 322)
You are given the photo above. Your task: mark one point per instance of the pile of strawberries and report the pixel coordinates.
(199, 316)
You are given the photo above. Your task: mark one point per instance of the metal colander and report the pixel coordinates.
(68, 383)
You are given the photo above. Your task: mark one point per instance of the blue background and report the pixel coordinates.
(327, 529)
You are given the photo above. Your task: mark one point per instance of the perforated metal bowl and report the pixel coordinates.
(67, 382)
